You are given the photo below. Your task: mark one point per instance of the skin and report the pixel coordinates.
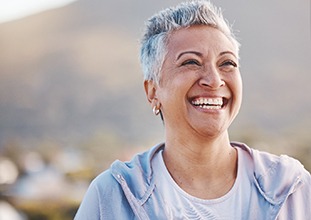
(201, 63)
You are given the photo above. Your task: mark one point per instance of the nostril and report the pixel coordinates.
(212, 82)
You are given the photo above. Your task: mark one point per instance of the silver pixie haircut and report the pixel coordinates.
(158, 28)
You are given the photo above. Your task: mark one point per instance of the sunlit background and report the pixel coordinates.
(72, 98)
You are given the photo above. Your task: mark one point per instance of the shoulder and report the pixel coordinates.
(104, 181)
(276, 176)
(267, 164)
(138, 168)
(98, 193)
(102, 187)
(133, 172)
(111, 187)
(104, 199)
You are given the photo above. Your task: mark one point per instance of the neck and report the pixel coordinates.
(196, 165)
(199, 150)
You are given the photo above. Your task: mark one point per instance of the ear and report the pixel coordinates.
(151, 90)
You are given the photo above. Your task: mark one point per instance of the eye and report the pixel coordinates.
(228, 63)
(191, 62)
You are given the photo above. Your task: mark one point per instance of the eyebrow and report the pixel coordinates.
(227, 52)
(200, 54)
(185, 52)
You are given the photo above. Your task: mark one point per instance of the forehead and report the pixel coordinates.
(199, 38)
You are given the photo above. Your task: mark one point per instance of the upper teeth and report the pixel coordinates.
(208, 101)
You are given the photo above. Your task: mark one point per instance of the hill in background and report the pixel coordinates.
(70, 73)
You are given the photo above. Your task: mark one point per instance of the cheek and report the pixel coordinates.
(240, 85)
(177, 83)
(237, 90)
(235, 82)
(173, 93)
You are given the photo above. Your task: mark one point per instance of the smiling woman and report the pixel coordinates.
(192, 78)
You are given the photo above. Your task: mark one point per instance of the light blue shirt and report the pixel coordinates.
(280, 188)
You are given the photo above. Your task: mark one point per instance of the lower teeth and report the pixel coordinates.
(210, 106)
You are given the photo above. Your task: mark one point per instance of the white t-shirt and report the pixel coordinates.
(181, 205)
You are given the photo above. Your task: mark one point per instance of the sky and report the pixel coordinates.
(15, 9)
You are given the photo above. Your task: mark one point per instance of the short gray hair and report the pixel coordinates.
(158, 28)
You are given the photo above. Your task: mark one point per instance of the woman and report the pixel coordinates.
(190, 60)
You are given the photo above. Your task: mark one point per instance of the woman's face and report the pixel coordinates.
(200, 88)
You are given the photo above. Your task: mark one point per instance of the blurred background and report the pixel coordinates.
(72, 98)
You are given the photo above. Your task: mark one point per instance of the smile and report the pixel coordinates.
(208, 103)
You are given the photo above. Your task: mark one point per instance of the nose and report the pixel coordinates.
(211, 78)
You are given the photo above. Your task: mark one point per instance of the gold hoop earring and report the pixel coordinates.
(155, 110)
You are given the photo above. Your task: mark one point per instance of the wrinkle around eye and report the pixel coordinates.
(191, 62)
(229, 63)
